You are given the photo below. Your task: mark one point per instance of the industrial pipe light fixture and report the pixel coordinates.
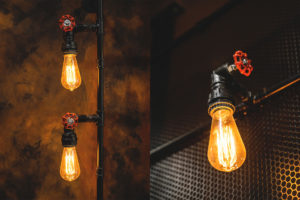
(70, 79)
(226, 150)
(69, 167)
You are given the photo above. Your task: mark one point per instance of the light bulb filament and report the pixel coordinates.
(71, 75)
(226, 147)
(70, 164)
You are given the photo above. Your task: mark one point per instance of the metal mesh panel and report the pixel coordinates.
(271, 171)
(271, 134)
(173, 127)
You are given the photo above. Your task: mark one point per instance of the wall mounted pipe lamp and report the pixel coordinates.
(69, 168)
(70, 79)
(222, 89)
(226, 150)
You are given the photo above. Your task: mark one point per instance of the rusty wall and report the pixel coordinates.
(32, 101)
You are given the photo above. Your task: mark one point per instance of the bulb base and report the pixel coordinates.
(69, 46)
(220, 89)
(220, 105)
(69, 138)
(220, 96)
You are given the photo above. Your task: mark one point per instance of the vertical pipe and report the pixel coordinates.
(100, 101)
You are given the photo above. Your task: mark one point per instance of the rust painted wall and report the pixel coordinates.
(32, 101)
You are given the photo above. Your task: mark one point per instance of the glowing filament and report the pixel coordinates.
(71, 76)
(70, 164)
(226, 147)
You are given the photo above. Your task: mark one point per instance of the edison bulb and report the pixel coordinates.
(69, 167)
(226, 150)
(70, 78)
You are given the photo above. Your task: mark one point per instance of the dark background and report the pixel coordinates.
(32, 101)
(198, 37)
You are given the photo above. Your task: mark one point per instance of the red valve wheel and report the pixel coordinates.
(70, 120)
(67, 23)
(242, 63)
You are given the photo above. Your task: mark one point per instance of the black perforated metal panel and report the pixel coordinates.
(173, 127)
(271, 171)
(271, 134)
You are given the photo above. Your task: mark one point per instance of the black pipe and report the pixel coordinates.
(100, 102)
(86, 27)
(276, 88)
(88, 118)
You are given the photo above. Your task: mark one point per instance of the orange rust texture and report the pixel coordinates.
(32, 101)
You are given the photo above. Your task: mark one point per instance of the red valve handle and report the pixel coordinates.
(70, 120)
(66, 23)
(242, 63)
